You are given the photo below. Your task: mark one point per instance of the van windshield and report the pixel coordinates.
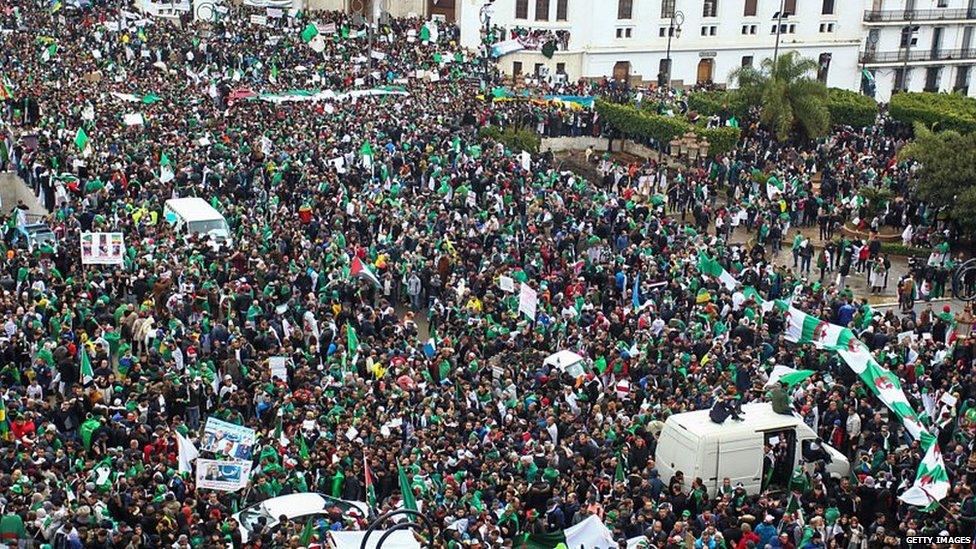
(205, 227)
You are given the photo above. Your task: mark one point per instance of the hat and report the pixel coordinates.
(686, 513)
(227, 377)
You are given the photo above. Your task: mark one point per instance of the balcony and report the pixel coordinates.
(890, 16)
(917, 56)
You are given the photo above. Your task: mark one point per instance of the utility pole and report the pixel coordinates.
(486, 20)
(779, 30)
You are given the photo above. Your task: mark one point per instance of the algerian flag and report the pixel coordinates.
(81, 140)
(884, 385)
(165, 169)
(804, 328)
(49, 52)
(187, 453)
(591, 533)
(406, 491)
(711, 267)
(273, 77)
(773, 187)
(787, 375)
(932, 480)
(87, 374)
(310, 32)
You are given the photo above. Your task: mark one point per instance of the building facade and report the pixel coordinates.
(853, 40)
(919, 45)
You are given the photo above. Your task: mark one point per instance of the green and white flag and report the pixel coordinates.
(932, 480)
(711, 267)
(366, 150)
(310, 32)
(87, 374)
(589, 533)
(885, 385)
(165, 169)
(787, 375)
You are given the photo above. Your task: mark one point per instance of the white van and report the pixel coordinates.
(195, 216)
(700, 448)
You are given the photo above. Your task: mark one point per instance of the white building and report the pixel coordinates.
(396, 8)
(629, 38)
(919, 45)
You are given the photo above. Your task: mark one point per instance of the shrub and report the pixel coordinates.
(644, 124)
(938, 111)
(521, 140)
(851, 108)
(893, 248)
(710, 103)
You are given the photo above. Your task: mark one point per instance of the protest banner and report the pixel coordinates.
(279, 367)
(102, 248)
(228, 439)
(528, 301)
(226, 476)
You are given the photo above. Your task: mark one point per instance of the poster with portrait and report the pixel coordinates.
(227, 476)
(227, 439)
(102, 248)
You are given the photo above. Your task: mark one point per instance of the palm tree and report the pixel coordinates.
(789, 98)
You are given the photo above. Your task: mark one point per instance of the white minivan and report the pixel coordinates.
(700, 448)
(194, 215)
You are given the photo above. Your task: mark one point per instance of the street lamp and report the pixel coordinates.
(674, 30)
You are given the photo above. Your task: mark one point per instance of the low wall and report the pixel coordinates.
(561, 144)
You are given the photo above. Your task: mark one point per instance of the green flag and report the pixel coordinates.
(307, 533)
(87, 374)
(81, 139)
(310, 32)
(406, 491)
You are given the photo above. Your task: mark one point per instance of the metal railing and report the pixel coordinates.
(882, 16)
(917, 55)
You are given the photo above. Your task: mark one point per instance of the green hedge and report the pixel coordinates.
(851, 108)
(711, 103)
(939, 111)
(522, 140)
(892, 248)
(641, 123)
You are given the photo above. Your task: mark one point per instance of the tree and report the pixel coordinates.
(947, 178)
(791, 101)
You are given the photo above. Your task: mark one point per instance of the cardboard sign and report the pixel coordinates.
(226, 476)
(528, 301)
(102, 248)
(228, 439)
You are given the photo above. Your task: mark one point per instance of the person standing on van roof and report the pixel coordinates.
(780, 400)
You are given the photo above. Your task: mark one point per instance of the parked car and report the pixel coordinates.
(295, 507)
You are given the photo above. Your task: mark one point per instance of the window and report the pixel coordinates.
(521, 9)
(560, 68)
(710, 8)
(704, 31)
(667, 9)
(750, 10)
(943, 3)
(746, 60)
(792, 28)
(932, 78)
(662, 31)
(902, 78)
(562, 10)
(625, 9)
(745, 29)
(828, 7)
(824, 66)
(539, 69)
(713, 30)
(541, 10)
(789, 7)
(909, 36)
(629, 32)
(517, 69)
(620, 33)
(962, 80)
(826, 27)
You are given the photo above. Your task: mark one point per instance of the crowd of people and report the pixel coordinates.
(431, 375)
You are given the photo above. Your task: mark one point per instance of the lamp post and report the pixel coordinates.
(674, 27)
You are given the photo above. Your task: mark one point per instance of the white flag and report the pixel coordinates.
(187, 453)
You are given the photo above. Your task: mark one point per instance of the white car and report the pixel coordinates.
(293, 507)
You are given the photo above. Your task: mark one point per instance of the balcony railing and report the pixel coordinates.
(883, 16)
(917, 55)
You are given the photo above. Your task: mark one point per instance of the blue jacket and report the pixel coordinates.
(766, 533)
